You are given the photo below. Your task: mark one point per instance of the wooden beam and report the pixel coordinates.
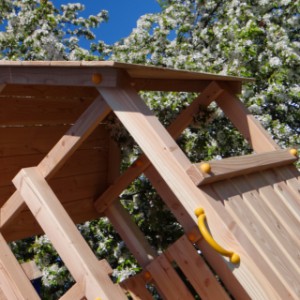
(246, 164)
(130, 234)
(75, 292)
(174, 85)
(65, 237)
(245, 122)
(13, 206)
(74, 137)
(31, 270)
(121, 219)
(212, 91)
(13, 281)
(179, 85)
(60, 76)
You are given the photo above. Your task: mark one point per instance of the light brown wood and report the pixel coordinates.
(136, 287)
(276, 206)
(260, 245)
(63, 76)
(175, 129)
(171, 163)
(251, 129)
(196, 270)
(25, 225)
(287, 195)
(167, 281)
(64, 235)
(3, 297)
(75, 292)
(31, 270)
(38, 111)
(134, 70)
(213, 258)
(246, 164)
(130, 233)
(14, 205)
(13, 281)
(65, 93)
(83, 127)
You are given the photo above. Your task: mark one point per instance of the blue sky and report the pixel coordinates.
(123, 15)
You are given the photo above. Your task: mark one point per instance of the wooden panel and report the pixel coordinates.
(268, 257)
(64, 235)
(48, 91)
(35, 111)
(276, 205)
(75, 136)
(272, 232)
(246, 164)
(82, 162)
(136, 286)
(251, 129)
(167, 281)
(196, 270)
(17, 141)
(289, 196)
(24, 225)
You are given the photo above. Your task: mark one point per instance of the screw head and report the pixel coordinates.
(205, 167)
(97, 78)
(294, 152)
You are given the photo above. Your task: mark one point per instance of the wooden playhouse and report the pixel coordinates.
(60, 167)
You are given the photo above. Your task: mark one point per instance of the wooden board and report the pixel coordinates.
(196, 270)
(246, 164)
(167, 281)
(249, 211)
(48, 91)
(136, 287)
(38, 111)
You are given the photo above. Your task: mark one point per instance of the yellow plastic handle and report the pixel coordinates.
(234, 258)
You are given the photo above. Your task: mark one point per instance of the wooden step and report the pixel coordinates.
(235, 166)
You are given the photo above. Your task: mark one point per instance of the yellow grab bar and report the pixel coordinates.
(199, 212)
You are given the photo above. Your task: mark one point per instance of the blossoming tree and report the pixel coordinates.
(253, 38)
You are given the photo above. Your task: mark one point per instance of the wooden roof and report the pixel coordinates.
(39, 101)
(134, 70)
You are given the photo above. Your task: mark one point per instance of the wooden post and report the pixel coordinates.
(13, 281)
(64, 235)
(252, 130)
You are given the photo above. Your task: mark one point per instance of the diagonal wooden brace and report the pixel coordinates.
(212, 91)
